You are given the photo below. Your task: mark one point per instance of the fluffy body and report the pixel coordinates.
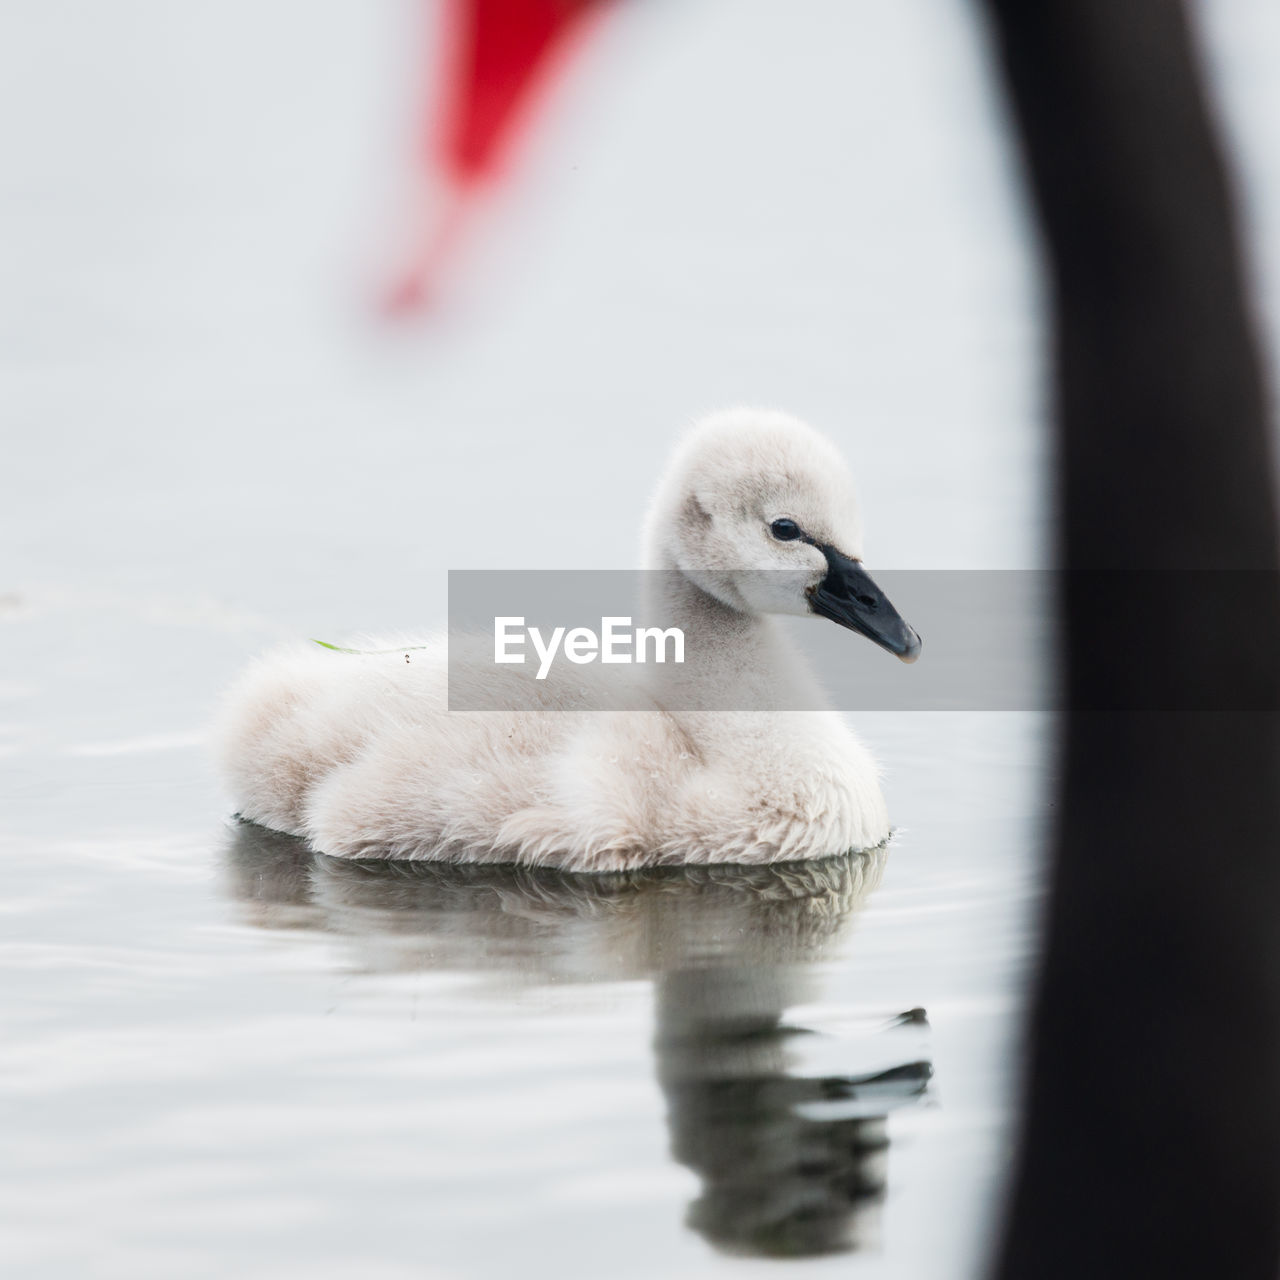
(359, 755)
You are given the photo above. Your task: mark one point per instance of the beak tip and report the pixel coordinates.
(912, 651)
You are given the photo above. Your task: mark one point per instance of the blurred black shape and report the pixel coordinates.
(1162, 957)
(792, 1164)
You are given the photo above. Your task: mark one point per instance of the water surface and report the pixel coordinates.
(225, 1053)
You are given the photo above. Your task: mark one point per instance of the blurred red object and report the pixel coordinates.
(498, 57)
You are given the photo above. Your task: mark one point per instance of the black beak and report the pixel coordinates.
(848, 595)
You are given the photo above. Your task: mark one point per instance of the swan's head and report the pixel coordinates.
(758, 510)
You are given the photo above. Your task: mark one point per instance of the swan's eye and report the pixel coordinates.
(785, 530)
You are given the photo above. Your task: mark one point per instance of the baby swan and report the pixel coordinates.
(756, 515)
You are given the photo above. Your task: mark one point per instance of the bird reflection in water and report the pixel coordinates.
(791, 1162)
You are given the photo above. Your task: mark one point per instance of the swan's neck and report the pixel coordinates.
(733, 661)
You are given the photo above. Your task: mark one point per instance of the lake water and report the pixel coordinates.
(225, 1055)
(228, 1055)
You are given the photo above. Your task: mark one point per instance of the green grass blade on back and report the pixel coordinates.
(337, 648)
